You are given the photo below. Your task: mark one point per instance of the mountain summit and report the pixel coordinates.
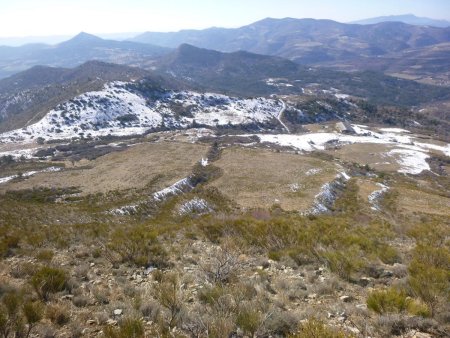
(82, 37)
(410, 19)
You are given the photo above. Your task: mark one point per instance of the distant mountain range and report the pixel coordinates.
(306, 41)
(403, 50)
(83, 47)
(391, 47)
(410, 19)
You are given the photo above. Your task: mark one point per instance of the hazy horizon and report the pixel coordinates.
(27, 18)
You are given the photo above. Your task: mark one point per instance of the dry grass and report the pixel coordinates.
(367, 153)
(319, 128)
(412, 200)
(132, 168)
(366, 187)
(262, 178)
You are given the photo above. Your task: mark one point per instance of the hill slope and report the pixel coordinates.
(83, 47)
(243, 73)
(27, 96)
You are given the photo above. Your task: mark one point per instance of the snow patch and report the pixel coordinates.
(412, 161)
(341, 96)
(324, 200)
(294, 187)
(195, 206)
(375, 196)
(29, 173)
(313, 171)
(204, 162)
(394, 130)
(175, 189)
(411, 154)
(125, 210)
(345, 175)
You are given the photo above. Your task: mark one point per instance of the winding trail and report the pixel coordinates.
(283, 108)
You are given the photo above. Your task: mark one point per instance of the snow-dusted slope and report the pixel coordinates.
(410, 154)
(120, 109)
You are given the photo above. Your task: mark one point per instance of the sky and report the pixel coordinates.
(20, 18)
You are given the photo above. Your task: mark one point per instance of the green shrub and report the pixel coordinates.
(139, 245)
(395, 301)
(317, 328)
(211, 295)
(48, 280)
(274, 255)
(429, 283)
(387, 301)
(45, 255)
(33, 312)
(388, 254)
(344, 262)
(18, 316)
(7, 243)
(429, 269)
(249, 320)
(128, 328)
(169, 295)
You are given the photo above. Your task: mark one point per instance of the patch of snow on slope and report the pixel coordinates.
(98, 113)
(218, 110)
(177, 188)
(394, 130)
(412, 161)
(345, 175)
(196, 206)
(28, 174)
(313, 171)
(411, 154)
(317, 141)
(126, 210)
(19, 153)
(445, 150)
(341, 96)
(375, 196)
(204, 162)
(324, 200)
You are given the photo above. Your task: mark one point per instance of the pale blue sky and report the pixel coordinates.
(67, 17)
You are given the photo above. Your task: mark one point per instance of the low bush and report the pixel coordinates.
(48, 280)
(128, 328)
(395, 301)
(317, 328)
(139, 245)
(57, 314)
(249, 320)
(18, 315)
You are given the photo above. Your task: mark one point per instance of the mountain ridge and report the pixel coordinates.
(405, 18)
(75, 51)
